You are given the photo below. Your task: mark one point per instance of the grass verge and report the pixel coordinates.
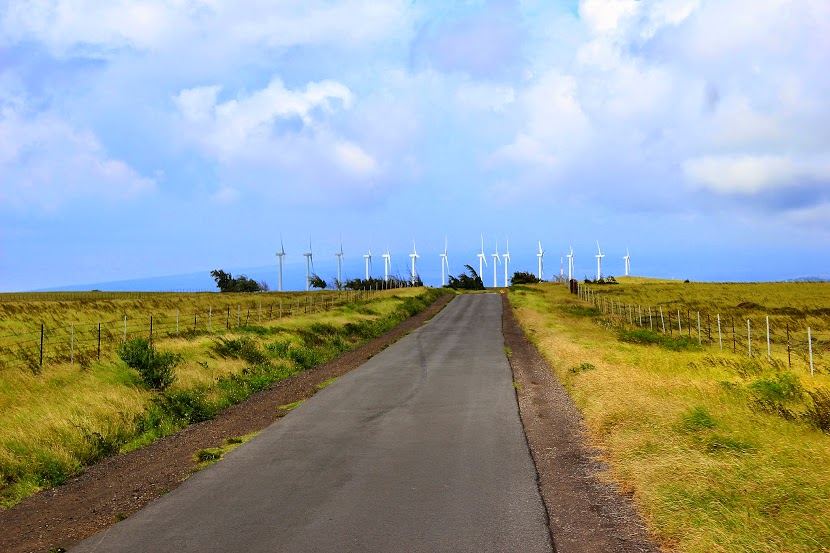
(721, 452)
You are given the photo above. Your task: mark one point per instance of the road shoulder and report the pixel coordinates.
(585, 513)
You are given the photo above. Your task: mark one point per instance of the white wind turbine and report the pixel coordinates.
(570, 257)
(387, 262)
(280, 255)
(309, 263)
(445, 263)
(482, 259)
(599, 257)
(496, 260)
(627, 260)
(339, 261)
(541, 256)
(414, 256)
(506, 257)
(368, 258)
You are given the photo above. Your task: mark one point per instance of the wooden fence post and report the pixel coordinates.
(42, 329)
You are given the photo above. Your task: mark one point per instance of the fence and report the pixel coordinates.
(724, 331)
(82, 343)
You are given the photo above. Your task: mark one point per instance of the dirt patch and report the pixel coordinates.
(585, 514)
(119, 486)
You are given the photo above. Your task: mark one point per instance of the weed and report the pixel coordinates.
(650, 337)
(155, 369)
(325, 383)
(517, 385)
(582, 368)
(120, 516)
(240, 348)
(207, 455)
(508, 352)
(697, 418)
(782, 387)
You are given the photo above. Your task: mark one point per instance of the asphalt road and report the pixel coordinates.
(419, 449)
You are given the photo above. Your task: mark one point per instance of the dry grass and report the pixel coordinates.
(56, 420)
(681, 430)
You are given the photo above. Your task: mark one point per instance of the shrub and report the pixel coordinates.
(818, 414)
(155, 368)
(522, 277)
(241, 348)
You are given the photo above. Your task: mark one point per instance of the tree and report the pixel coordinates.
(520, 277)
(466, 281)
(316, 282)
(226, 283)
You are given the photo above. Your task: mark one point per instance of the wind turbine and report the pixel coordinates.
(339, 260)
(309, 262)
(414, 255)
(481, 259)
(570, 257)
(506, 257)
(280, 255)
(496, 260)
(541, 256)
(444, 262)
(599, 257)
(387, 262)
(627, 260)
(368, 258)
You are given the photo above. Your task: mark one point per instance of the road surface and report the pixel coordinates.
(419, 449)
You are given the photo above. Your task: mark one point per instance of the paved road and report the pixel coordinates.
(419, 449)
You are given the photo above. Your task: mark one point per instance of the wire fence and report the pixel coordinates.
(754, 335)
(38, 346)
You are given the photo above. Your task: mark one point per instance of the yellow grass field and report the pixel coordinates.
(721, 451)
(71, 411)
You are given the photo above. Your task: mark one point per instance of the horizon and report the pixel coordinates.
(171, 138)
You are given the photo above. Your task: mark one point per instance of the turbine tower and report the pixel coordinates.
(444, 263)
(627, 260)
(309, 261)
(541, 256)
(496, 260)
(387, 262)
(506, 257)
(570, 257)
(414, 255)
(482, 259)
(280, 255)
(368, 258)
(561, 266)
(599, 257)
(339, 261)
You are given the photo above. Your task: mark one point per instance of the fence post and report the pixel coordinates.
(280, 308)
(71, 343)
(789, 358)
(42, 328)
(810, 346)
(271, 313)
(679, 325)
(650, 320)
(259, 314)
(238, 315)
(151, 326)
(769, 354)
(640, 311)
(630, 316)
(699, 341)
(99, 341)
(720, 337)
(748, 338)
(194, 322)
(663, 321)
(247, 316)
(228, 320)
(708, 328)
(210, 318)
(734, 338)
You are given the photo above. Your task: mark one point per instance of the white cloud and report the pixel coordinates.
(354, 160)
(748, 174)
(45, 164)
(243, 127)
(68, 26)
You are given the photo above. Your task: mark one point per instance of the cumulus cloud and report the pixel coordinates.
(752, 174)
(46, 163)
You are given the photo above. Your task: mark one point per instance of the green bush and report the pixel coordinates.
(155, 368)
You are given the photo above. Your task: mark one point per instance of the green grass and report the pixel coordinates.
(58, 420)
(721, 452)
(209, 456)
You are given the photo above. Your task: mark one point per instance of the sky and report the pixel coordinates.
(148, 142)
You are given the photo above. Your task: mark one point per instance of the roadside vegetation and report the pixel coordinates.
(721, 451)
(58, 420)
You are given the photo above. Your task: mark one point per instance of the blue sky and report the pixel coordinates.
(153, 138)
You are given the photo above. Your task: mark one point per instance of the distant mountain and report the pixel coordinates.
(809, 279)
